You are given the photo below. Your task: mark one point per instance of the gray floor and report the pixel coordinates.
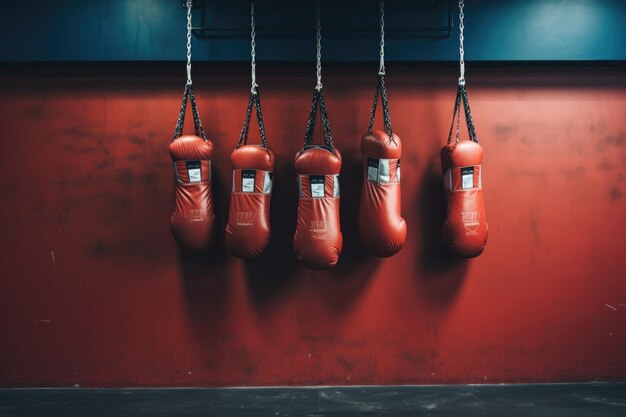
(584, 400)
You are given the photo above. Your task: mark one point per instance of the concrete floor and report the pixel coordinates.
(554, 400)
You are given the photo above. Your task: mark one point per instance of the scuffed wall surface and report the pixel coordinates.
(94, 292)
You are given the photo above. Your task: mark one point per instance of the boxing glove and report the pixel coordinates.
(318, 239)
(465, 229)
(381, 226)
(193, 217)
(248, 229)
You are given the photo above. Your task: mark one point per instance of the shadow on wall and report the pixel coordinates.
(342, 285)
(354, 257)
(272, 272)
(204, 275)
(276, 273)
(442, 272)
(269, 274)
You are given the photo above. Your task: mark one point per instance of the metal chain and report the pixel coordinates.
(381, 69)
(328, 137)
(461, 97)
(259, 117)
(189, 4)
(458, 117)
(455, 115)
(310, 125)
(318, 95)
(380, 86)
(188, 95)
(196, 116)
(318, 100)
(382, 90)
(461, 38)
(318, 87)
(178, 130)
(253, 48)
(243, 136)
(374, 105)
(385, 101)
(471, 130)
(255, 100)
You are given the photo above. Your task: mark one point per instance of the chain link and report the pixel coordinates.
(243, 136)
(189, 4)
(374, 105)
(318, 100)
(381, 69)
(328, 137)
(188, 95)
(253, 48)
(255, 100)
(385, 101)
(259, 117)
(461, 38)
(318, 95)
(178, 130)
(196, 116)
(318, 87)
(310, 124)
(458, 117)
(471, 129)
(462, 99)
(382, 90)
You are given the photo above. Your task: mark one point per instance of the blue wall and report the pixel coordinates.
(154, 30)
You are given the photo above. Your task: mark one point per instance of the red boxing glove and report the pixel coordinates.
(318, 238)
(248, 229)
(381, 226)
(193, 217)
(465, 230)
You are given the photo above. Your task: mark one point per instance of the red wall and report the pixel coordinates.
(94, 292)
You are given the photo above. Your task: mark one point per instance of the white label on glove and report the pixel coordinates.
(383, 170)
(398, 171)
(247, 180)
(267, 185)
(372, 169)
(467, 177)
(317, 185)
(336, 186)
(193, 170)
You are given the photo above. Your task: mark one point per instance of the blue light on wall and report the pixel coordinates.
(154, 30)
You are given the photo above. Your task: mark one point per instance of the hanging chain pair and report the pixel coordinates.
(178, 130)
(255, 98)
(382, 90)
(461, 93)
(318, 95)
(380, 86)
(318, 100)
(461, 98)
(188, 95)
